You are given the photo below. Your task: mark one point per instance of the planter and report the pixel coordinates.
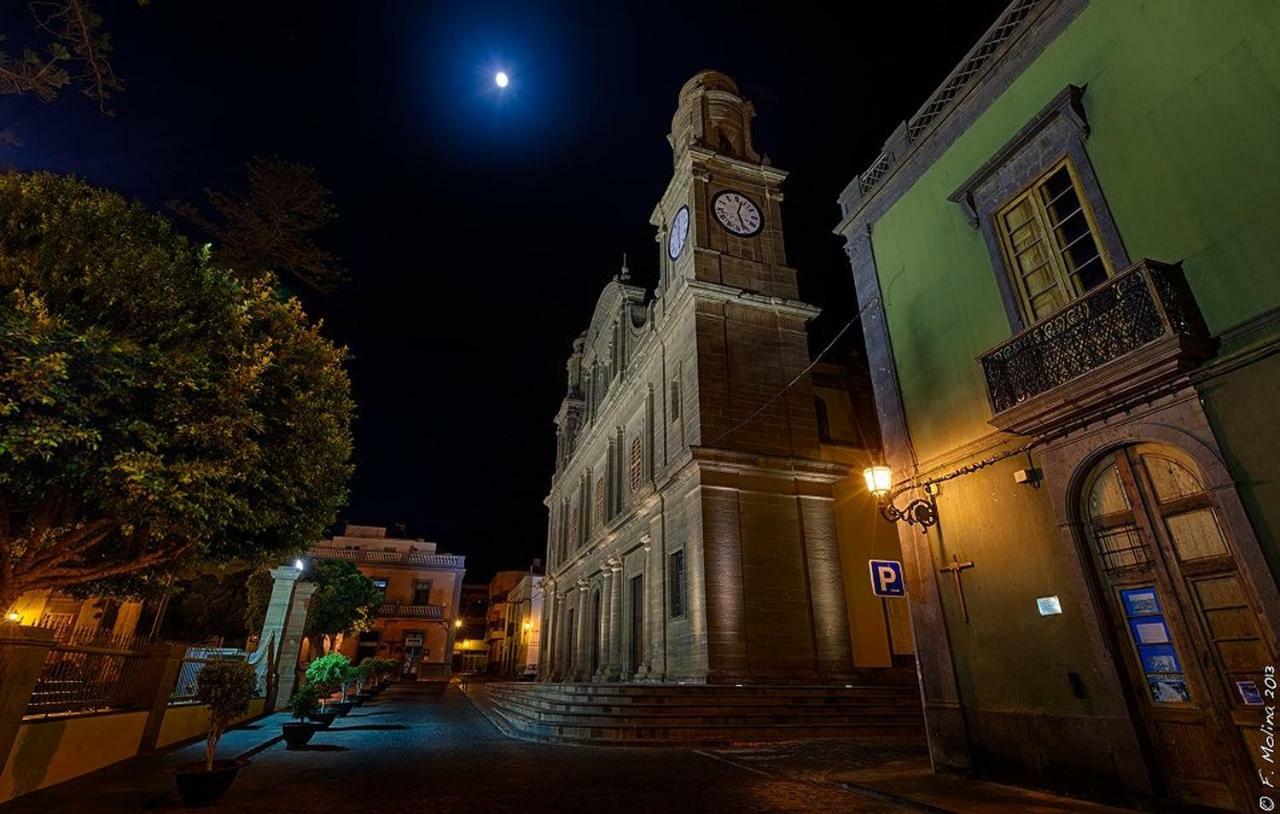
(322, 720)
(296, 735)
(366, 697)
(354, 700)
(340, 707)
(200, 787)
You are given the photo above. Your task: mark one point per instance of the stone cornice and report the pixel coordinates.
(716, 292)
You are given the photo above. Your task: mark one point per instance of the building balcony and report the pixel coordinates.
(397, 609)
(412, 558)
(1124, 339)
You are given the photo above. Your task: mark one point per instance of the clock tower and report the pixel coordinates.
(719, 221)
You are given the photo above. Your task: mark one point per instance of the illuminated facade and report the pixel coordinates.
(691, 535)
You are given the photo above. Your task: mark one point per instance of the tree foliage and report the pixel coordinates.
(76, 51)
(258, 589)
(345, 600)
(153, 408)
(226, 688)
(271, 227)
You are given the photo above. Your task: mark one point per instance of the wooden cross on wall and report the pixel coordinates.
(955, 567)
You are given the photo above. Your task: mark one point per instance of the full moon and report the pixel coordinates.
(500, 79)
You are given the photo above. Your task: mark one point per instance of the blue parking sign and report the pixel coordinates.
(886, 578)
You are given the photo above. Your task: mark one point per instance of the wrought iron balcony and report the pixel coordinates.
(398, 609)
(1140, 326)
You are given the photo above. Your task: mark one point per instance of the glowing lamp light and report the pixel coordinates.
(299, 564)
(879, 480)
(528, 626)
(501, 79)
(13, 616)
(457, 624)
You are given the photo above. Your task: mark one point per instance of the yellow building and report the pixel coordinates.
(421, 590)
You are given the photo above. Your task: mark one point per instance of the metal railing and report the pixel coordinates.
(410, 610)
(86, 678)
(184, 689)
(406, 557)
(1146, 302)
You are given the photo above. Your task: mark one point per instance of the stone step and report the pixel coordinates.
(664, 715)
(645, 713)
(720, 696)
(892, 706)
(698, 690)
(703, 735)
(559, 700)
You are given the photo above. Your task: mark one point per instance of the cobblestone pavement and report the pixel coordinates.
(410, 752)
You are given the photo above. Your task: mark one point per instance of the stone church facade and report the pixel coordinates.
(691, 535)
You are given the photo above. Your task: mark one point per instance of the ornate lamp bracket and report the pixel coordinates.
(922, 512)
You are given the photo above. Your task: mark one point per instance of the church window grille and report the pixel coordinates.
(675, 400)
(636, 463)
(676, 580)
(575, 527)
(599, 505)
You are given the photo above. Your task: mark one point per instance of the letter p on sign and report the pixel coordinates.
(886, 578)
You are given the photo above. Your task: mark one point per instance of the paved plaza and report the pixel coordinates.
(412, 752)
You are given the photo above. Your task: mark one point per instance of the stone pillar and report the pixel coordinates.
(642, 669)
(284, 579)
(158, 674)
(291, 644)
(583, 623)
(604, 633)
(22, 656)
(560, 667)
(549, 637)
(614, 637)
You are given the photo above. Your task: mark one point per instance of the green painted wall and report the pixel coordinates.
(1184, 102)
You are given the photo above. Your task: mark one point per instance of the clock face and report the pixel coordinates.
(679, 233)
(737, 213)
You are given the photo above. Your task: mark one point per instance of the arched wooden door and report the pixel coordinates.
(1190, 635)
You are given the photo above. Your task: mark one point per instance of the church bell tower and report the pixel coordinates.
(719, 221)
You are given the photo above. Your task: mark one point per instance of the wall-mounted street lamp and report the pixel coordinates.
(13, 616)
(919, 512)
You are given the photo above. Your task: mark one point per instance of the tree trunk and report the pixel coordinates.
(211, 745)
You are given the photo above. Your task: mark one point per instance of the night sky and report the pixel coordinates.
(479, 227)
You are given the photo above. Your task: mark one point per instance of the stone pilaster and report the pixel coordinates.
(582, 622)
(604, 635)
(613, 671)
(644, 669)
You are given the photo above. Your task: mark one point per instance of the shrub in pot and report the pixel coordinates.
(225, 687)
(302, 705)
(363, 674)
(329, 673)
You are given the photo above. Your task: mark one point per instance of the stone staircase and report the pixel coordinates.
(700, 715)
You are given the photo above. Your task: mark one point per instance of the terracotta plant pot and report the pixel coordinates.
(322, 720)
(200, 787)
(297, 734)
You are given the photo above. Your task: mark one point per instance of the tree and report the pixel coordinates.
(345, 601)
(258, 589)
(226, 688)
(271, 227)
(77, 52)
(154, 410)
(328, 673)
(206, 604)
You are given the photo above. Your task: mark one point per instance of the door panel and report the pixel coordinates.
(1187, 627)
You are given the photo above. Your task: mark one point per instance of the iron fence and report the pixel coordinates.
(184, 689)
(86, 678)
